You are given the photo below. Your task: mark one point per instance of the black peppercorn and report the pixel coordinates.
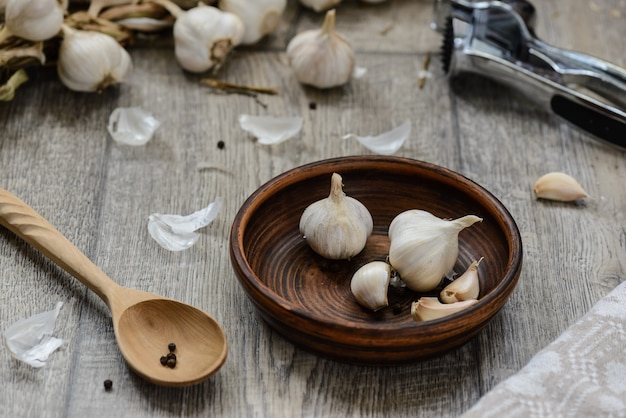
(312, 105)
(171, 347)
(108, 384)
(221, 144)
(171, 362)
(163, 360)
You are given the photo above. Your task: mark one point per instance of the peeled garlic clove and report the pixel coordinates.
(560, 187)
(369, 285)
(465, 287)
(321, 58)
(386, 143)
(429, 308)
(91, 61)
(204, 36)
(338, 226)
(424, 247)
(259, 17)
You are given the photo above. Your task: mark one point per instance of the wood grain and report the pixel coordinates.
(55, 154)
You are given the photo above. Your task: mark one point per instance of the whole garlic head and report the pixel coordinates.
(34, 20)
(424, 247)
(370, 283)
(320, 5)
(259, 17)
(338, 226)
(204, 36)
(91, 61)
(321, 57)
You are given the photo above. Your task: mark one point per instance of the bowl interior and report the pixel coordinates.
(275, 264)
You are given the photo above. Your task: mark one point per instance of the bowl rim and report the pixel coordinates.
(484, 309)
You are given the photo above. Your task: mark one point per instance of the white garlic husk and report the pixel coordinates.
(429, 308)
(336, 227)
(259, 17)
(320, 5)
(204, 36)
(424, 247)
(91, 61)
(34, 20)
(464, 287)
(370, 283)
(321, 57)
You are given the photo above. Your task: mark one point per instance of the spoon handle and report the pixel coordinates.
(30, 226)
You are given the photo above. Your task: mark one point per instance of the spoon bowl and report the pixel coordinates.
(144, 323)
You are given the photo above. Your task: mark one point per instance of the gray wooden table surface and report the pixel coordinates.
(56, 155)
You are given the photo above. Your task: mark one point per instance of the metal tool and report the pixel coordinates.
(496, 39)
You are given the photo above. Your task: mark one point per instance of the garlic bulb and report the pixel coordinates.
(338, 226)
(259, 17)
(321, 57)
(465, 287)
(369, 285)
(429, 308)
(91, 61)
(558, 186)
(320, 5)
(424, 247)
(34, 20)
(204, 36)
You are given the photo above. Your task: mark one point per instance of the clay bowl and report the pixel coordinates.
(307, 298)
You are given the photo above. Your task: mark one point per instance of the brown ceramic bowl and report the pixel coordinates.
(307, 298)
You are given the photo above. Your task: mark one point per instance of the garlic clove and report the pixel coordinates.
(132, 126)
(204, 37)
(429, 308)
(338, 226)
(321, 58)
(259, 17)
(465, 287)
(369, 285)
(320, 5)
(423, 247)
(386, 143)
(271, 130)
(91, 61)
(558, 186)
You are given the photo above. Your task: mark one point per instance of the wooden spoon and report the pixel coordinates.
(144, 323)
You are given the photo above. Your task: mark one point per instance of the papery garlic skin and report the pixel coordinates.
(370, 283)
(424, 247)
(338, 226)
(34, 20)
(204, 36)
(464, 287)
(429, 308)
(259, 17)
(91, 61)
(322, 57)
(320, 5)
(558, 186)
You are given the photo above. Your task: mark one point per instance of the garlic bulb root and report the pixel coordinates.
(424, 247)
(429, 308)
(321, 58)
(465, 287)
(558, 186)
(336, 227)
(370, 283)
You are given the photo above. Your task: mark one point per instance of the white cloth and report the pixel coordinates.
(581, 374)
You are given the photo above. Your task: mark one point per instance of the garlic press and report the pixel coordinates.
(496, 39)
